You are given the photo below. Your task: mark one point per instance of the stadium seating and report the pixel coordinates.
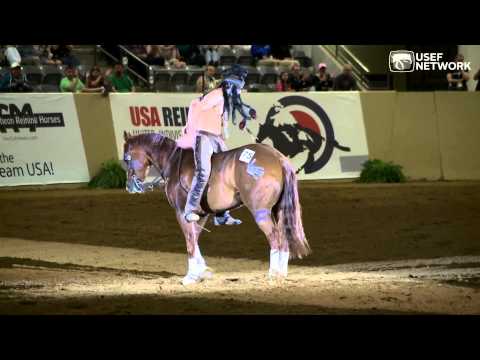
(227, 56)
(269, 75)
(162, 80)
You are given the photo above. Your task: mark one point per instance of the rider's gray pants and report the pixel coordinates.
(206, 145)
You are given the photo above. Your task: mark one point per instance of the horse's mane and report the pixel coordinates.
(146, 140)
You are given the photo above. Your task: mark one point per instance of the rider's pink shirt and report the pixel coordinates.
(203, 115)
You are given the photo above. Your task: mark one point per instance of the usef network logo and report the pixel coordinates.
(401, 61)
(408, 61)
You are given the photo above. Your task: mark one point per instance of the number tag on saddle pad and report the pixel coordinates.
(247, 155)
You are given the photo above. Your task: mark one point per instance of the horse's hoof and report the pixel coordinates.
(189, 280)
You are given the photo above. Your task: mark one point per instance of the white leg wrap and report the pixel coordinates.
(283, 263)
(198, 256)
(274, 262)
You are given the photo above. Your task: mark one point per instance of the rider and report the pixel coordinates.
(205, 132)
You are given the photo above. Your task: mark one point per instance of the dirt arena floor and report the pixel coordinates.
(377, 249)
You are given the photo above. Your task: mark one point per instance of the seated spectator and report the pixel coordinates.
(283, 83)
(71, 82)
(295, 77)
(191, 55)
(12, 55)
(457, 80)
(323, 80)
(477, 77)
(154, 55)
(120, 81)
(15, 80)
(95, 81)
(345, 80)
(64, 54)
(207, 81)
(46, 56)
(211, 54)
(260, 52)
(170, 54)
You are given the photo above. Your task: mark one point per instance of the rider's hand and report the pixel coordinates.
(253, 113)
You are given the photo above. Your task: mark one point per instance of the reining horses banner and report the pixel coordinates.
(323, 134)
(40, 140)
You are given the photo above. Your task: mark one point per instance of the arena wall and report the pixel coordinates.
(459, 129)
(433, 135)
(96, 125)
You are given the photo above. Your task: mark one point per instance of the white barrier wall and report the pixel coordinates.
(40, 140)
(322, 133)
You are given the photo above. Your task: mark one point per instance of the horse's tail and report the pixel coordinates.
(289, 214)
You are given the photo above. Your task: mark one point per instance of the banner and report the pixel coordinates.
(40, 140)
(322, 133)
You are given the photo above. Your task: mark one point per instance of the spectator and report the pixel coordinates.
(260, 52)
(154, 55)
(283, 83)
(46, 56)
(207, 81)
(170, 54)
(477, 77)
(191, 55)
(345, 80)
(15, 80)
(12, 55)
(95, 81)
(71, 81)
(64, 54)
(457, 80)
(323, 80)
(120, 81)
(295, 77)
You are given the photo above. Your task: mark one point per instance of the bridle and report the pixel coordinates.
(157, 180)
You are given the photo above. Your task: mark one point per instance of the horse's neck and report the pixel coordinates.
(163, 155)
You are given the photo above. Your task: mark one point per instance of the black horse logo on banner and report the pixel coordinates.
(286, 137)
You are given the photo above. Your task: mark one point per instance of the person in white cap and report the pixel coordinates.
(12, 55)
(15, 80)
(323, 80)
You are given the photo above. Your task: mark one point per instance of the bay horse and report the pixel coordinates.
(271, 195)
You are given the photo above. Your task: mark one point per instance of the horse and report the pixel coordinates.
(271, 195)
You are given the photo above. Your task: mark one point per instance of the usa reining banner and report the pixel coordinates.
(40, 140)
(322, 133)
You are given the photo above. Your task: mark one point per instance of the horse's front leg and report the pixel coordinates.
(197, 267)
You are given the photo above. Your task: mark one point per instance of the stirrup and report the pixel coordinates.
(191, 217)
(226, 220)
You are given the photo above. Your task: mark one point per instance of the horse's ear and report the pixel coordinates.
(125, 135)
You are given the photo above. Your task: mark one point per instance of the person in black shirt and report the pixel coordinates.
(477, 77)
(457, 80)
(345, 81)
(322, 81)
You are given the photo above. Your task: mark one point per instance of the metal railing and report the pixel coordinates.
(134, 65)
(360, 71)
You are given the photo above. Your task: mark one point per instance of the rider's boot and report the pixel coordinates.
(226, 219)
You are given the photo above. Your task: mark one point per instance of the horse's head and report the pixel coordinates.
(138, 163)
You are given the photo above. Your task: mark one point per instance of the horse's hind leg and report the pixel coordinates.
(278, 250)
(197, 267)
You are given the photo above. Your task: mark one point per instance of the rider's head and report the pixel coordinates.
(234, 77)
